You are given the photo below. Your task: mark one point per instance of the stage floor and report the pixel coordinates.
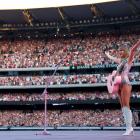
(67, 135)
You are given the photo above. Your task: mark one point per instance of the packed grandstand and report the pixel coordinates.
(77, 93)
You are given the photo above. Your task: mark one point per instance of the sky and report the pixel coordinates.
(33, 4)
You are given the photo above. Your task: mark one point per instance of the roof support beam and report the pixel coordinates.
(28, 17)
(64, 17)
(61, 13)
(96, 11)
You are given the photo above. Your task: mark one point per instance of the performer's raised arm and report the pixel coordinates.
(116, 60)
(132, 52)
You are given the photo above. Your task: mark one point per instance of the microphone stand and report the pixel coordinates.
(45, 94)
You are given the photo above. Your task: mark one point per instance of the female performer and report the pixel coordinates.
(124, 93)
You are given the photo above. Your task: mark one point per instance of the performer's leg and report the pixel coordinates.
(125, 95)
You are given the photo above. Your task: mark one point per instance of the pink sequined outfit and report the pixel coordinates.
(123, 70)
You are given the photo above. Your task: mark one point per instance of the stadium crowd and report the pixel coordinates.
(75, 51)
(60, 79)
(87, 51)
(62, 118)
(61, 96)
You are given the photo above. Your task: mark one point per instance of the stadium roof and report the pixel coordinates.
(78, 12)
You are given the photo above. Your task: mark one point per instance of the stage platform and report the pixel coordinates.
(68, 135)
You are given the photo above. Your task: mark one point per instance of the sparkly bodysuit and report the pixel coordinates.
(123, 69)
